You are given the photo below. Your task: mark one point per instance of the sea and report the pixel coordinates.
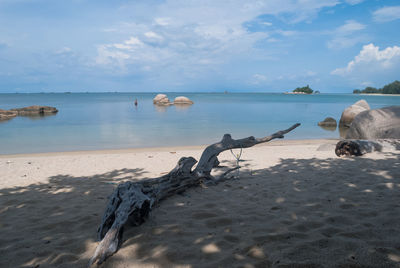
(97, 121)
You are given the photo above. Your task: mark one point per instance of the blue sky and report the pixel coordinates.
(204, 46)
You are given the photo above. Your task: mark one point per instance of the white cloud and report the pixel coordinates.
(311, 73)
(354, 2)
(108, 56)
(122, 46)
(371, 61)
(266, 23)
(386, 14)
(346, 35)
(287, 33)
(198, 38)
(272, 40)
(153, 35)
(366, 83)
(349, 27)
(63, 50)
(258, 79)
(133, 41)
(162, 21)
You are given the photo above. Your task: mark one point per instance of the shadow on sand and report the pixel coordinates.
(298, 213)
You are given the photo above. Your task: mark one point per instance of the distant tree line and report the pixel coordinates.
(392, 88)
(305, 89)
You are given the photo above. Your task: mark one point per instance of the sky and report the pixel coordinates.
(334, 46)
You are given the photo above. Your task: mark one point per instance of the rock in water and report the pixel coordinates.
(351, 112)
(7, 115)
(161, 99)
(35, 110)
(182, 100)
(381, 123)
(328, 122)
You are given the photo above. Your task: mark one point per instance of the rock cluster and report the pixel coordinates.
(162, 100)
(6, 115)
(381, 123)
(27, 111)
(35, 110)
(346, 118)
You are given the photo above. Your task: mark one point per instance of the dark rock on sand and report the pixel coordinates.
(381, 123)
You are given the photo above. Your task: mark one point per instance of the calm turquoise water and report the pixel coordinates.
(110, 120)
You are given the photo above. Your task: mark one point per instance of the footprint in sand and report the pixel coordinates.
(213, 223)
(231, 238)
(346, 206)
(203, 215)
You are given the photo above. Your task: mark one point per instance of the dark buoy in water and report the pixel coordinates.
(135, 102)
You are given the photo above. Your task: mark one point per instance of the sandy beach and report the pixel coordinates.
(295, 204)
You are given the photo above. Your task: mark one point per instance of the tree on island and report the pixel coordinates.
(392, 88)
(306, 90)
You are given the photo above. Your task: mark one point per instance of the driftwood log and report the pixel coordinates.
(134, 200)
(360, 147)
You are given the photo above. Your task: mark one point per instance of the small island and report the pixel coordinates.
(302, 90)
(392, 88)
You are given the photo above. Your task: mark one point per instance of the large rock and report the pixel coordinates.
(161, 99)
(182, 100)
(351, 112)
(381, 123)
(6, 115)
(35, 110)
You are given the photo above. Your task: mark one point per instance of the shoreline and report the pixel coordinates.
(162, 148)
(376, 94)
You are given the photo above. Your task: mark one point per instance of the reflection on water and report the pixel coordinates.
(182, 107)
(35, 117)
(161, 108)
(343, 131)
(328, 128)
(178, 107)
(6, 121)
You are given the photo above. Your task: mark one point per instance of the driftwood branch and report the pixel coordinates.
(134, 200)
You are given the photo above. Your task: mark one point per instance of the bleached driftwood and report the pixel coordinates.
(360, 147)
(133, 200)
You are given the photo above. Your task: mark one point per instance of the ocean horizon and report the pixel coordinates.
(108, 120)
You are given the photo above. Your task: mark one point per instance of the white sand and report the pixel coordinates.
(295, 205)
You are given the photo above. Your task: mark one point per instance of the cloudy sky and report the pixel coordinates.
(204, 46)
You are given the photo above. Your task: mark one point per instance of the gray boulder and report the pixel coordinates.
(35, 110)
(381, 123)
(352, 111)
